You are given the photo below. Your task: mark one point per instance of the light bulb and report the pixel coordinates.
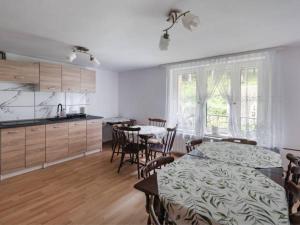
(72, 57)
(164, 42)
(190, 21)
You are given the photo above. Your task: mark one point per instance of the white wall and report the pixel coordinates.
(105, 102)
(142, 93)
(290, 67)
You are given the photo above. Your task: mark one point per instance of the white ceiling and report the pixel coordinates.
(124, 34)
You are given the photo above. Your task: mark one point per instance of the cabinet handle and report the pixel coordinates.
(19, 77)
(12, 132)
(51, 88)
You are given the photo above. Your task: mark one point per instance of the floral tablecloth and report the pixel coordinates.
(158, 132)
(245, 155)
(206, 191)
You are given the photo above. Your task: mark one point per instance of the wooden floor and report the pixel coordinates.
(82, 191)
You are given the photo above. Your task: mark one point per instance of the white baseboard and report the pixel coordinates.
(63, 160)
(20, 172)
(92, 152)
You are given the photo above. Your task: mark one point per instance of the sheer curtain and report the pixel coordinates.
(228, 69)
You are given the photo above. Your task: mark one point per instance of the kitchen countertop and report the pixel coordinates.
(34, 122)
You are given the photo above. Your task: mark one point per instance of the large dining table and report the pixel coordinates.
(203, 188)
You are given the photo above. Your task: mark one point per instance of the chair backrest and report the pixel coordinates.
(128, 135)
(191, 144)
(240, 141)
(293, 161)
(154, 164)
(157, 122)
(168, 140)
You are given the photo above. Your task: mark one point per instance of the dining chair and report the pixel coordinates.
(293, 161)
(166, 146)
(295, 172)
(294, 190)
(240, 141)
(157, 122)
(130, 143)
(153, 204)
(192, 144)
(115, 141)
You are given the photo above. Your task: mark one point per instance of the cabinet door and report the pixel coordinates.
(70, 79)
(12, 150)
(56, 141)
(28, 73)
(88, 80)
(94, 135)
(8, 70)
(20, 72)
(50, 77)
(35, 145)
(77, 137)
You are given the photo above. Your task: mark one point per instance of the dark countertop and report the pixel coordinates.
(34, 122)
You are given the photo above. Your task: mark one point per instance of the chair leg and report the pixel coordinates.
(113, 152)
(121, 162)
(138, 164)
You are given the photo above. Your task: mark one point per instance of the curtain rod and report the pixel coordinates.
(224, 55)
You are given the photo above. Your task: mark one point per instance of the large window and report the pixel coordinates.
(231, 96)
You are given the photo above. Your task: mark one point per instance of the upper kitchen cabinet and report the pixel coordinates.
(70, 79)
(20, 72)
(50, 77)
(88, 80)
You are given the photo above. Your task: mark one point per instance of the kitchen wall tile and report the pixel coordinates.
(76, 98)
(74, 108)
(49, 98)
(16, 98)
(45, 111)
(16, 113)
(8, 86)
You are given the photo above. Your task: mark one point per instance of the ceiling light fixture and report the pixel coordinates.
(84, 50)
(189, 21)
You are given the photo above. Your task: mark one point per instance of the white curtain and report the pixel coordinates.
(229, 69)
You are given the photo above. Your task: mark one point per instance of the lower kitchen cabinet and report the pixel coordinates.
(35, 145)
(77, 137)
(12, 150)
(94, 135)
(56, 141)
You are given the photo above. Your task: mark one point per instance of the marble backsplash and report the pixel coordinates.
(21, 101)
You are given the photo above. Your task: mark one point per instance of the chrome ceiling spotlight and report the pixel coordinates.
(84, 50)
(189, 21)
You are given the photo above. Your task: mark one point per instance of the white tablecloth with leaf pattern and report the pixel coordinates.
(206, 191)
(242, 154)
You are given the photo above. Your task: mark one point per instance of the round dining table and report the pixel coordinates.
(148, 132)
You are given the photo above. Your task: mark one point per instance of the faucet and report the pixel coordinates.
(59, 112)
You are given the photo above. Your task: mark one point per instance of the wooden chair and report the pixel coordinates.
(153, 204)
(191, 144)
(240, 141)
(129, 141)
(293, 161)
(166, 146)
(157, 122)
(293, 189)
(115, 141)
(155, 164)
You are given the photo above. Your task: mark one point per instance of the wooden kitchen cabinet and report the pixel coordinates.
(12, 150)
(20, 72)
(94, 134)
(50, 77)
(71, 79)
(77, 137)
(56, 141)
(88, 80)
(35, 145)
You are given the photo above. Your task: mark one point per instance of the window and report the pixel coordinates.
(187, 104)
(217, 99)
